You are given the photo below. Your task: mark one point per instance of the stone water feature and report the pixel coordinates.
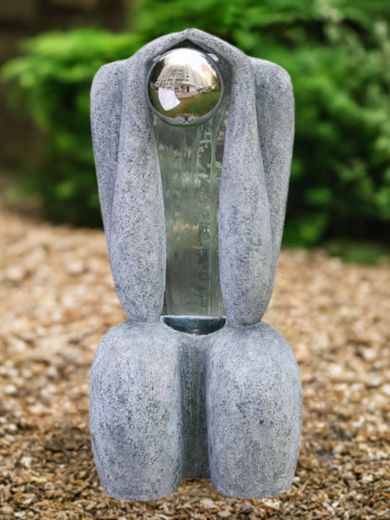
(193, 142)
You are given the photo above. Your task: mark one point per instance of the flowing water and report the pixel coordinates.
(191, 162)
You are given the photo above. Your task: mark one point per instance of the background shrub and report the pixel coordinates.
(53, 79)
(338, 55)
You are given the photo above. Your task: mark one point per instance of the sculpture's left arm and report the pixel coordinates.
(275, 116)
(254, 185)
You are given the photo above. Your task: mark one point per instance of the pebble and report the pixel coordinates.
(10, 389)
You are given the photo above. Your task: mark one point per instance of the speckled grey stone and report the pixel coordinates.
(135, 411)
(253, 411)
(166, 404)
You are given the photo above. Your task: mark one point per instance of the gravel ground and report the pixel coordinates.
(57, 300)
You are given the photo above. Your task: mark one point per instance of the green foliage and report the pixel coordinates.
(53, 79)
(338, 55)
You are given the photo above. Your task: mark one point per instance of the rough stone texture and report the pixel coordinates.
(166, 404)
(135, 411)
(275, 119)
(253, 411)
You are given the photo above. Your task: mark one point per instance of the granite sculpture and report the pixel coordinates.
(194, 396)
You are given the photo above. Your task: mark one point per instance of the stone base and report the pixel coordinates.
(221, 402)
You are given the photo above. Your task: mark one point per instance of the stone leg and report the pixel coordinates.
(253, 411)
(135, 412)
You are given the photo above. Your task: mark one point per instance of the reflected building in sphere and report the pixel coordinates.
(183, 79)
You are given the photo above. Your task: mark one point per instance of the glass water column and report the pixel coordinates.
(188, 93)
(190, 163)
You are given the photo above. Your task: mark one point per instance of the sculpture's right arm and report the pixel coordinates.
(106, 108)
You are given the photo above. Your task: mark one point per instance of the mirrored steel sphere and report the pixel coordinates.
(185, 87)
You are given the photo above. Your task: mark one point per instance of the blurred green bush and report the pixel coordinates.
(338, 55)
(53, 79)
